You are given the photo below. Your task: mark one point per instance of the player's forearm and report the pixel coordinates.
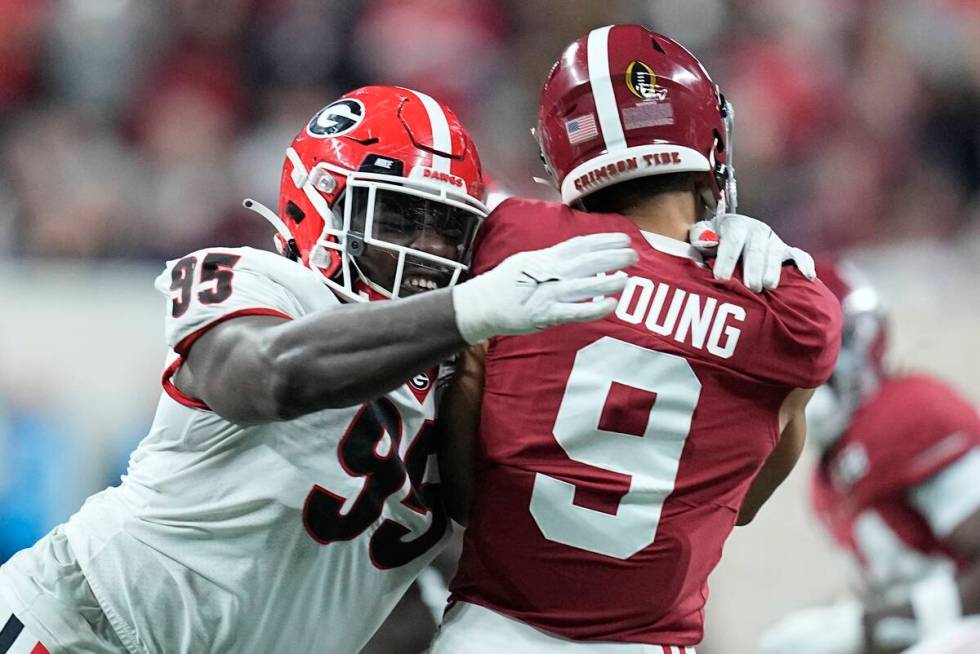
(777, 467)
(762, 488)
(359, 352)
(969, 585)
(456, 455)
(250, 371)
(459, 423)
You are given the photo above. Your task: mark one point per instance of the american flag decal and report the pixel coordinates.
(581, 129)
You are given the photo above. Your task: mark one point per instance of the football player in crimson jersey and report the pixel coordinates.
(612, 459)
(287, 493)
(897, 486)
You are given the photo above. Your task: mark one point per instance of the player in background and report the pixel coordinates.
(611, 460)
(897, 485)
(287, 493)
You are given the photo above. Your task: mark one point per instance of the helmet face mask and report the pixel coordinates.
(860, 366)
(827, 415)
(375, 151)
(624, 102)
(402, 242)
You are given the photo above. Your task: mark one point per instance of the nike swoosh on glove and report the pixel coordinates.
(531, 291)
(732, 236)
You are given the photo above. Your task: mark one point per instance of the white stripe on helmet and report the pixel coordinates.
(602, 89)
(301, 178)
(439, 124)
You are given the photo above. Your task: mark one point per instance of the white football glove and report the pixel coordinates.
(531, 291)
(731, 236)
(835, 629)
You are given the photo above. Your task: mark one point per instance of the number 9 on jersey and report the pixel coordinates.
(651, 461)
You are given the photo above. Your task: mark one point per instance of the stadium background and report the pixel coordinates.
(131, 129)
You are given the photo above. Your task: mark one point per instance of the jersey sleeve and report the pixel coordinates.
(804, 327)
(915, 429)
(208, 287)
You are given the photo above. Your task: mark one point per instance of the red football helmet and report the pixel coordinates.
(860, 365)
(375, 170)
(624, 102)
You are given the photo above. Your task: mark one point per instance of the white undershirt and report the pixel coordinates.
(950, 496)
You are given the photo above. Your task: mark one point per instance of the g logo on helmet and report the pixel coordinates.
(337, 118)
(641, 80)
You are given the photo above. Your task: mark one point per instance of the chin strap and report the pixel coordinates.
(377, 288)
(269, 215)
(728, 202)
(731, 188)
(285, 242)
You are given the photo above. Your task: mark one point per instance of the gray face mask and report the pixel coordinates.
(827, 416)
(830, 409)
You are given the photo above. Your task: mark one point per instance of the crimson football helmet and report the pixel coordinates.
(860, 366)
(623, 102)
(377, 169)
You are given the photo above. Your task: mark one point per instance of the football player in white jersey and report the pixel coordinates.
(287, 493)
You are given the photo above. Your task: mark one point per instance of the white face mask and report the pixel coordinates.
(826, 418)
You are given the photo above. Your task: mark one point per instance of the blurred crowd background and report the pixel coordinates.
(130, 131)
(133, 128)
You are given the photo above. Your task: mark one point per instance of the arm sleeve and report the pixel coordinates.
(951, 496)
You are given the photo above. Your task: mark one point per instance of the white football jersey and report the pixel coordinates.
(296, 536)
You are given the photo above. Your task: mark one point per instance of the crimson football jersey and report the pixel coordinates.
(614, 455)
(910, 430)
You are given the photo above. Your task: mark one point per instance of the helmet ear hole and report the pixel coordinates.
(295, 212)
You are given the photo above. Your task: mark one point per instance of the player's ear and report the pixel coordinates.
(701, 190)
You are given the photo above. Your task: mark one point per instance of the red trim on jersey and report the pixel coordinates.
(40, 649)
(185, 344)
(175, 393)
